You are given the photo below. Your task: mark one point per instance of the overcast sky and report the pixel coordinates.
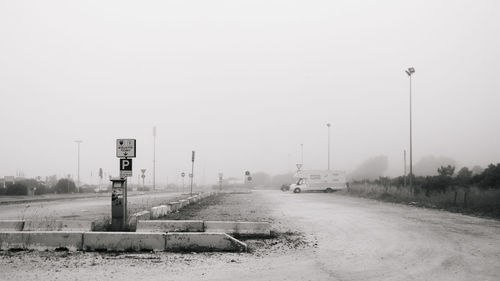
(244, 83)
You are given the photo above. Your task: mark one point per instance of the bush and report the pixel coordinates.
(42, 189)
(16, 189)
(489, 178)
(65, 186)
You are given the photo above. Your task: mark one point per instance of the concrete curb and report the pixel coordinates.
(41, 240)
(11, 225)
(58, 225)
(76, 225)
(42, 225)
(120, 241)
(202, 242)
(170, 226)
(239, 228)
(123, 241)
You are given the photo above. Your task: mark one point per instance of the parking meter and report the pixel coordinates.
(118, 204)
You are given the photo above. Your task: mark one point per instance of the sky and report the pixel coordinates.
(244, 84)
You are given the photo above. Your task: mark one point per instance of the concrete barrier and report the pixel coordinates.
(132, 220)
(174, 206)
(42, 225)
(11, 225)
(123, 241)
(41, 240)
(202, 241)
(183, 203)
(170, 226)
(166, 209)
(159, 211)
(239, 228)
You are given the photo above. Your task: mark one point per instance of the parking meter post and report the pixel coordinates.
(118, 204)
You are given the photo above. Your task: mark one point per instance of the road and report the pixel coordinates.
(349, 239)
(79, 208)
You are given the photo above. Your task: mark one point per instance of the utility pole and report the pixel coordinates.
(410, 71)
(404, 152)
(154, 157)
(301, 153)
(328, 125)
(78, 178)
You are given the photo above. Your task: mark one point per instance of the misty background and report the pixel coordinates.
(245, 83)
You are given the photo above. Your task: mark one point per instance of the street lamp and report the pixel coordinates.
(410, 71)
(302, 153)
(154, 157)
(328, 125)
(78, 179)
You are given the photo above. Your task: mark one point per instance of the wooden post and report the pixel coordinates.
(465, 199)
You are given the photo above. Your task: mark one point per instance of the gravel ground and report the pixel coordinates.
(319, 236)
(36, 265)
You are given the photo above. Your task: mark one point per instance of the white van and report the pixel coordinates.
(325, 180)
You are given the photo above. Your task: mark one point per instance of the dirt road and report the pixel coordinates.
(344, 239)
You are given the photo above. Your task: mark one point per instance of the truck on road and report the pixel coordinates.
(324, 180)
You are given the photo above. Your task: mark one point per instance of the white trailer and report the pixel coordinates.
(325, 180)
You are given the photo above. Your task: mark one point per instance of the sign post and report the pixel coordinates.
(183, 175)
(125, 149)
(220, 181)
(192, 171)
(143, 176)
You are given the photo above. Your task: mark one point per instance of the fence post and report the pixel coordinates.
(465, 199)
(455, 200)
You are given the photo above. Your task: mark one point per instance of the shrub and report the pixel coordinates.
(16, 189)
(65, 186)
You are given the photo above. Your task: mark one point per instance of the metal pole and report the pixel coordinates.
(78, 177)
(411, 145)
(192, 176)
(404, 167)
(328, 125)
(301, 153)
(154, 158)
(192, 171)
(410, 71)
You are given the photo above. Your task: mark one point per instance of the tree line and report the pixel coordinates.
(447, 179)
(34, 187)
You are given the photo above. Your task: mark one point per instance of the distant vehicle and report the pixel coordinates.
(325, 180)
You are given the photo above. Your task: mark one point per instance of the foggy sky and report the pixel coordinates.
(244, 83)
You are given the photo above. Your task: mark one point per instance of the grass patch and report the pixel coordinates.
(474, 201)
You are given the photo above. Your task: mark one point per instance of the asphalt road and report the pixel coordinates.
(349, 239)
(78, 208)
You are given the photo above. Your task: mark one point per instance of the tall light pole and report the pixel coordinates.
(301, 153)
(404, 167)
(328, 125)
(410, 71)
(78, 181)
(154, 157)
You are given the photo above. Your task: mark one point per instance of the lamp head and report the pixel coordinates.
(410, 71)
